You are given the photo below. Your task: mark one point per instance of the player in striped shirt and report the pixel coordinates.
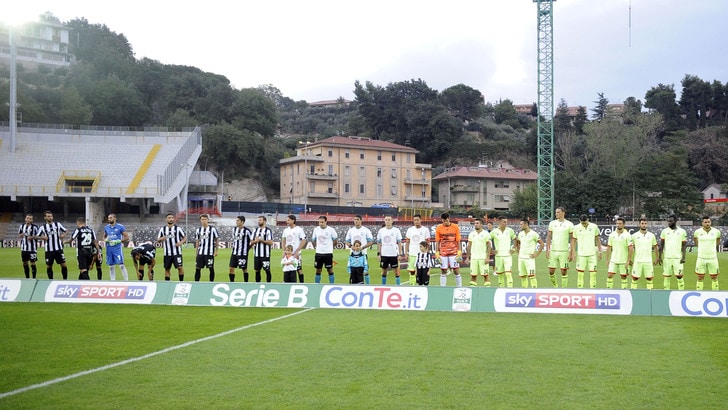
(172, 237)
(28, 246)
(262, 243)
(425, 260)
(240, 249)
(206, 241)
(296, 237)
(673, 244)
(53, 233)
(707, 240)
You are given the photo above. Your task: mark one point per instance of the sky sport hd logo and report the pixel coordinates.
(100, 292)
(604, 302)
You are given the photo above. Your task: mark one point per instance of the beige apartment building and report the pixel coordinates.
(355, 171)
(44, 42)
(487, 186)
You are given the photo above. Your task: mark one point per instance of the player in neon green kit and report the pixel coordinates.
(588, 250)
(503, 237)
(619, 254)
(645, 255)
(558, 251)
(478, 251)
(707, 240)
(673, 242)
(526, 247)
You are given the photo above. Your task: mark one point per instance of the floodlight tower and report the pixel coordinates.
(545, 115)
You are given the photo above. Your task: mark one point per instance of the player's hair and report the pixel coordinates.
(323, 217)
(357, 241)
(205, 216)
(264, 218)
(81, 219)
(357, 216)
(560, 207)
(478, 219)
(416, 216)
(643, 219)
(425, 244)
(292, 217)
(619, 218)
(583, 217)
(526, 221)
(47, 212)
(502, 217)
(672, 216)
(705, 217)
(169, 213)
(241, 218)
(445, 215)
(135, 252)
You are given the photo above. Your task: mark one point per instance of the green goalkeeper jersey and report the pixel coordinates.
(674, 239)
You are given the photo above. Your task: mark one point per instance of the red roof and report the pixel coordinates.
(362, 142)
(488, 173)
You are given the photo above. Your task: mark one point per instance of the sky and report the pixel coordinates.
(316, 49)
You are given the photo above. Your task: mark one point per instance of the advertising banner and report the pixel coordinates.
(696, 304)
(68, 291)
(16, 290)
(589, 301)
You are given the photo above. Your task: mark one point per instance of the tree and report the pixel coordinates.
(580, 120)
(74, 109)
(708, 155)
(464, 102)
(255, 112)
(662, 100)
(633, 109)
(505, 113)
(562, 121)
(695, 100)
(667, 186)
(524, 202)
(600, 111)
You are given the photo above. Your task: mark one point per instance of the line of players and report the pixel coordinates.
(487, 250)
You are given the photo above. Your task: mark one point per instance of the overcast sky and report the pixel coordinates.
(314, 50)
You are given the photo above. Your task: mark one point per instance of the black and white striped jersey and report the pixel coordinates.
(262, 249)
(241, 241)
(53, 231)
(206, 240)
(174, 234)
(27, 230)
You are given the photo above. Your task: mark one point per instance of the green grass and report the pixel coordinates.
(10, 267)
(358, 359)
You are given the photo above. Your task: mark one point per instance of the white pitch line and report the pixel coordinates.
(146, 356)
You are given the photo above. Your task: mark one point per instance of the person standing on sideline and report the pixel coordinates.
(28, 246)
(619, 254)
(262, 243)
(206, 242)
(358, 265)
(414, 235)
(86, 247)
(289, 262)
(478, 252)
(363, 235)
(585, 240)
(558, 251)
(425, 261)
(172, 237)
(324, 239)
(447, 236)
(295, 236)
(645, 255)
(673, 244)
(389, 240)
(144, 254)
(242, 237)
(114, 235)
(707, 241)
(53, 233)
(528, 246)
(503, 237)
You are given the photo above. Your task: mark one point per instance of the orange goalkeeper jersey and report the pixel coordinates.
(448, 238)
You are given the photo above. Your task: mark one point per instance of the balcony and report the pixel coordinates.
(322, 177)
(465, 188)
(413, 181)
(410, 198)
(325, 195)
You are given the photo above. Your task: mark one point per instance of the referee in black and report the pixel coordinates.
(206, 239)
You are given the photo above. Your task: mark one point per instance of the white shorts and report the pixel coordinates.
(449, 262)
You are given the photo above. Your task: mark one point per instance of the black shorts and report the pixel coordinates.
(261, 262)
(204, 261)
(55, 256)
(289, 276)
(323, 260)
(389, 262)
(172, 260)
(85, 260)
(239, 261)
(357, 275)
(26, 256)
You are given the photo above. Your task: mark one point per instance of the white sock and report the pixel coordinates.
(443, 279)
(458, 280)
(124, 272)
(112, 272)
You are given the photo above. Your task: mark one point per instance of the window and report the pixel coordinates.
(330, 188)
(331, 153)
(394, 157)
(409, 190)
(346, 188)
(361, 154)
(361, 188)
(501, 184)
(394, 189)
(502, 198)
(331, 170)
(362, 172)
(312, 186)
(379, 172)
(379, 155)
(409, 174)
(346, 154)
(380, 190)
(408, 158)
(347, 170)
(394, 172)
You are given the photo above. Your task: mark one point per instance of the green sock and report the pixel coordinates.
(593, 279)
(552, 277)
(501, 280)
(610, 283)
(680, 283)
(666, 282)
(634, 284)
(412, 278)
(509, 279)
(579, 279)
(534, 282)
(649, 284)
(715, 284)
(524, 281)
(699, 285)
(565, 281)
(624, 282)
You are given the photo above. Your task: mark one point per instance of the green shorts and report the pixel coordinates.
(672, 267)
(559, 259)
(707, 266)
(526, 266)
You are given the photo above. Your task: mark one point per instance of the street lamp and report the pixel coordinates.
(187, 194)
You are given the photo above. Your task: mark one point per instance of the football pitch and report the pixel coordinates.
(57, 355)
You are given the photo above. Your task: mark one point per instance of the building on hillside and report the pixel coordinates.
(340, 103)
(355, 171)
(487, 186)
(715, 198)
(41, 43)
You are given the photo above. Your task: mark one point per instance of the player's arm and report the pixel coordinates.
(630, 254)
(661, 249)
(468, 250)
(540, 248)
(216, 242)
(654, 254)
(598, 244)
(517, 245)
(683, 249)
(609, 253)
(548, 243)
